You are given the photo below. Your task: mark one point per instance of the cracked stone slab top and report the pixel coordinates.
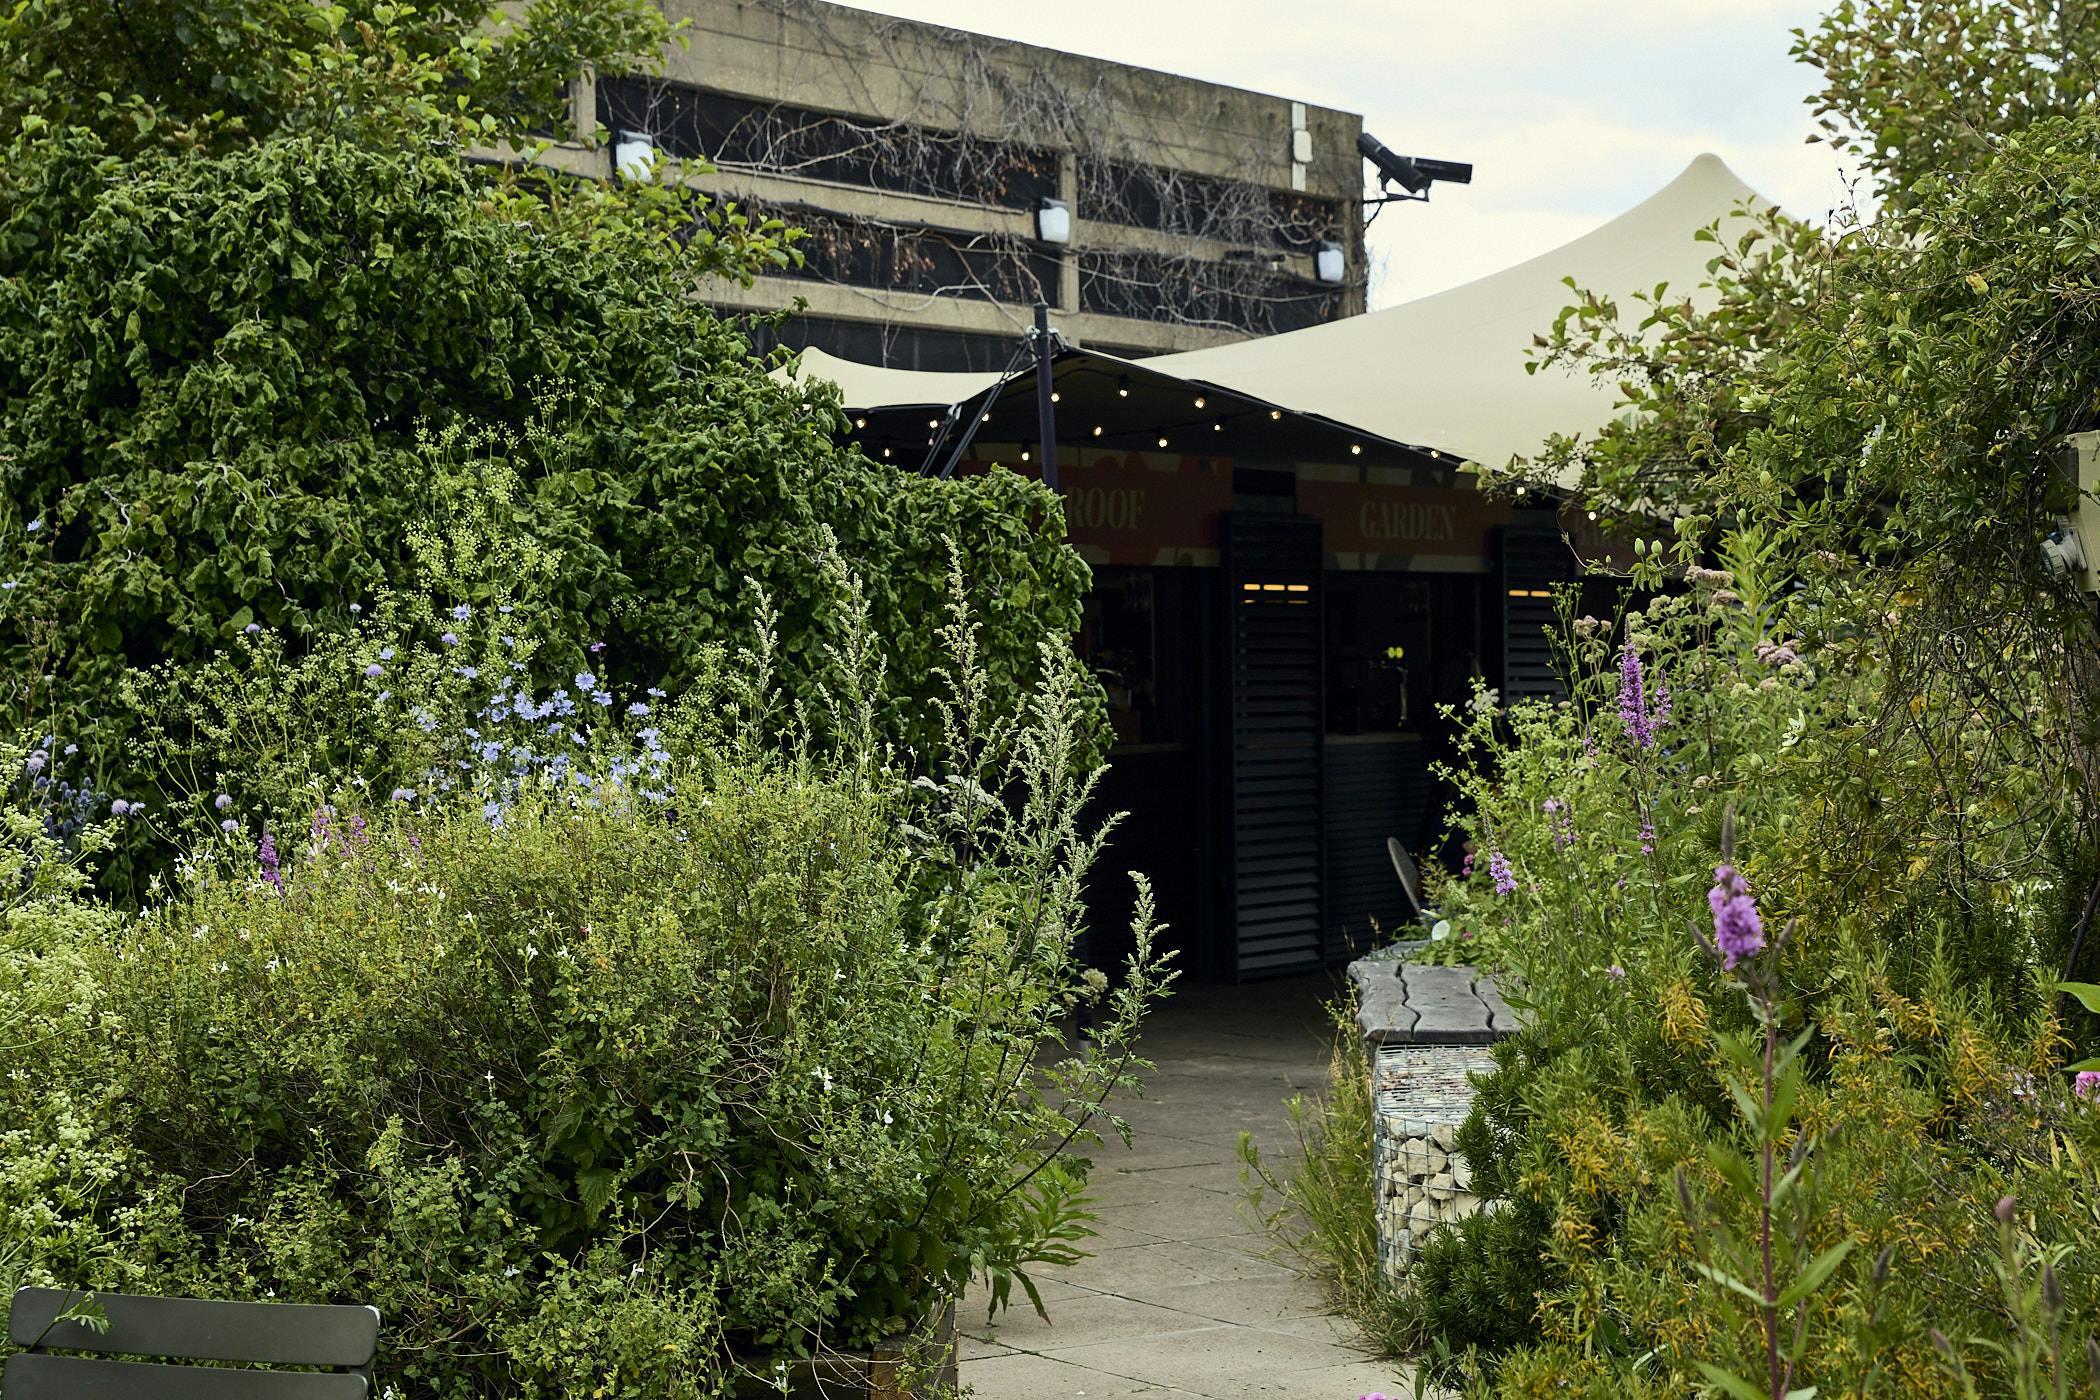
(1419, 1004)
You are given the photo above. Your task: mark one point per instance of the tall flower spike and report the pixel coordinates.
(1505, 878)
(1642, 714)
(1739, 930)
(1633, 701)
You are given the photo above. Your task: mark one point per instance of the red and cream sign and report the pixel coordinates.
(1368, 520)
(1139, 508)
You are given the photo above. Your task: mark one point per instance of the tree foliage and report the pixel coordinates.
(243, 350)
(210, 75)
(1917, 89)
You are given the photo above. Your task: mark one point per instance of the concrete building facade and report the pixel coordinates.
(949, 179)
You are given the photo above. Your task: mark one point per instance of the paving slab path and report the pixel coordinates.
(1183, 1296)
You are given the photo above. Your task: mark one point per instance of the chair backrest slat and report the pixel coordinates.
(197, 1329)
(34, 1376)
(1404, 867)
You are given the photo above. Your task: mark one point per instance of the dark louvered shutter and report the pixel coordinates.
(1534, 558)
(1272, 574)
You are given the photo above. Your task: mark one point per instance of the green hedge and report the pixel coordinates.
(230, 386)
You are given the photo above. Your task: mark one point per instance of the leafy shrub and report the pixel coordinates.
(623, 1085)
(231, 386)
(1928, 1077)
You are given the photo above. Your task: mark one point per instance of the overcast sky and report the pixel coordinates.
(1570, 113)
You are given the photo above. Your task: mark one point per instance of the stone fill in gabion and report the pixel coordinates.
(1422, 1093)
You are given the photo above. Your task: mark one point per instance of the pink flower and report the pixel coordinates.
(1739, 931)
(1505, 878)
(2087, 1084)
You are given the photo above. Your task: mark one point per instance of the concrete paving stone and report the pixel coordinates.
(1085, 1321)
(1323, 1326)
(1261, 1302)
(1151, 1151)
(1053, 1288)
(1348, 1380)
(1216, 1360)
(1179, 1250)
(1178, 1262)
(1022, 1376)
(1113, 1190)
(1112, 1231)
(1222, 1178)
(1171, 1212)
(971, 1348)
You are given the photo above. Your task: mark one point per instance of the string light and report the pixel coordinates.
(885, 452)
(1097, 430)
(1162, 442)
(860, 422)
(1024, 455)
(1056, 397)
(1199, 400)
(1275, 414)
(986, 419)
(1593, 515)
(933, 422)
(1356, 449)
(1217, 427)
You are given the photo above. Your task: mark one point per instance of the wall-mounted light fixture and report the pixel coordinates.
(1329, 262)
(634, 155)
(1053, 221)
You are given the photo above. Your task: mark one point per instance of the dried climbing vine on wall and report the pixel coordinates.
(988, 127)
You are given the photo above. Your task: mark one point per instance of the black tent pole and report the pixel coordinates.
(1045, 410)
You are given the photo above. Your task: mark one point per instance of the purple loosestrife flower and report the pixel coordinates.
(1647, 836)
(1739, 931)
(266, 856)
(1640, 722)
(597, 647)
(2087, 1084)
(1505, 878)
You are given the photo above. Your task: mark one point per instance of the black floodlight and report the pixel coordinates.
(1413, 174)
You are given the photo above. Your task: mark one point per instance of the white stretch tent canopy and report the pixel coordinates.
(1446, 371)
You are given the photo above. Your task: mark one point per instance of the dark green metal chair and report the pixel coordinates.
(341, 1339)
